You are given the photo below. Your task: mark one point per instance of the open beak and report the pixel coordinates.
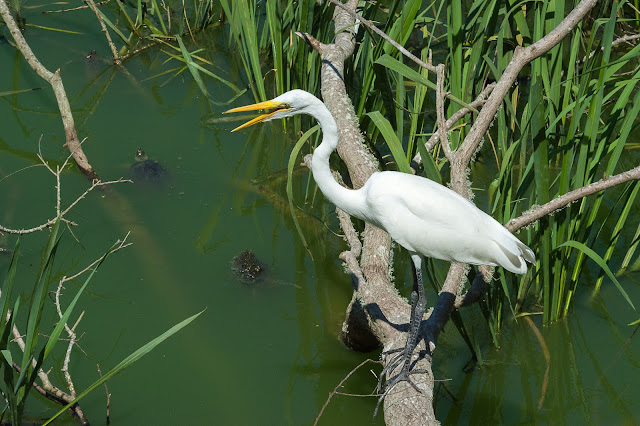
(269, 107)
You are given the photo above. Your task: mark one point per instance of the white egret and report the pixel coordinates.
(422, 216)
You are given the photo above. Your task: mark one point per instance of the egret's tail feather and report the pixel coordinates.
(527, 253)
(516, 254)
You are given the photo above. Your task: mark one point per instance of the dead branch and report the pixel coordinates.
(342, 382)
(440, 113)
(562, 201)
(56, 395)
(58, 88)
(73, 338)
(59, 212)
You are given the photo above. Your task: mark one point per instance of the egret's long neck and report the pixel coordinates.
(351, 201)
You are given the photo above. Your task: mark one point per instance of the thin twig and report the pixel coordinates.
(120, 245)
(76, 8)
(442, 122)
(50, 222)
(114, 51)
(382, 34)
(106, 389)
(335, 390)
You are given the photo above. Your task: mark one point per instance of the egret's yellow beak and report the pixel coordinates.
(270, 108)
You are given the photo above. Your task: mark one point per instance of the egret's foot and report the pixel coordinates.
(404, 357)
(403, 376)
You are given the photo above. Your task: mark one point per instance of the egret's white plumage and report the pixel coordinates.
(422, 216)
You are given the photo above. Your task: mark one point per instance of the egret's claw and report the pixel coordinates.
(403, 376)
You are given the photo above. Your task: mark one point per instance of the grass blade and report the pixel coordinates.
(39, 295)
(128, 361)
(7, 288)
(392, 141)
(192, 68)
(53, 338)
(292, 162)
(600, 261)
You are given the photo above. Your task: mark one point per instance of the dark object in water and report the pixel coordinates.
(247, 266)
(145, 170)
(92, 55)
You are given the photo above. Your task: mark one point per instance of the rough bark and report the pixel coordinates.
(387, 312)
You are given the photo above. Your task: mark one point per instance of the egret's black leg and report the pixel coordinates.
(418, 307)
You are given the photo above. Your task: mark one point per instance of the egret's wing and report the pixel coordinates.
(434, 221)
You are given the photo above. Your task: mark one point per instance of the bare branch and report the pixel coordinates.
(48, 389)
(521, 57)
(58, 88)
(50, 222)
(56, 395)
(435, 137)
(564, 200)
(335, 390)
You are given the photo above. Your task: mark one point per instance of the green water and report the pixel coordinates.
(260, 354)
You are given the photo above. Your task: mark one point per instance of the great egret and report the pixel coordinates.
(422, 216)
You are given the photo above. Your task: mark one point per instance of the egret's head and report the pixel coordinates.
(288, 104)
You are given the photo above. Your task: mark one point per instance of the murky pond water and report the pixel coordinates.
(264, 352)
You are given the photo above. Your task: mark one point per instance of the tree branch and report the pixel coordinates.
(521, 57)
(59, 212)
(562, 201)
(58, 89)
